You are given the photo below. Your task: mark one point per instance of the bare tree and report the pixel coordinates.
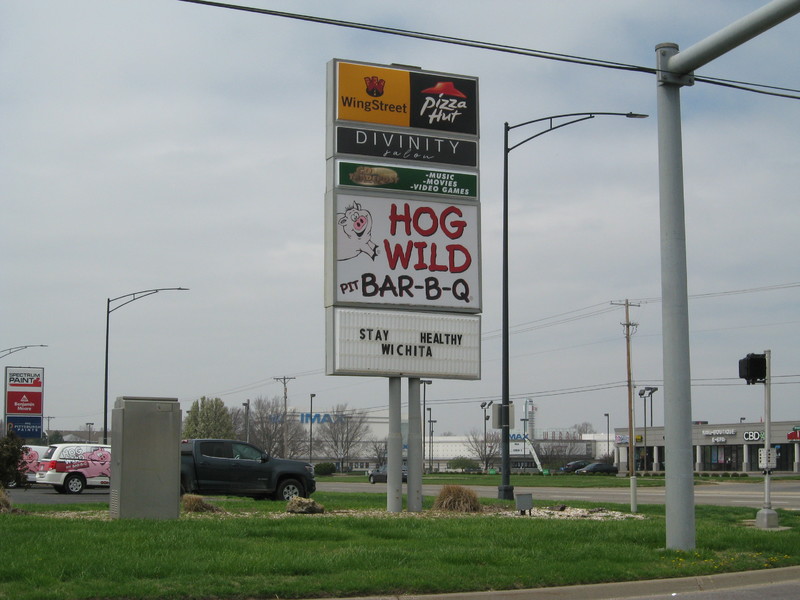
(379, 450)
(584, 427)
(340, 436)
(486, 449)
(267, 428)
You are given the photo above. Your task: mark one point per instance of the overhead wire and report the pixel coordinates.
(496, 47)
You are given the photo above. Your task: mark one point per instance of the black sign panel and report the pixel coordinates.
(448, 104)
(406, 146)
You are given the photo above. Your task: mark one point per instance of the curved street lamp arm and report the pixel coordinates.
(582, 117)
(6, 351)
(138, 296)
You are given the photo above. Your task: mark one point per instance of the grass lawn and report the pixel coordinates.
(255, 550)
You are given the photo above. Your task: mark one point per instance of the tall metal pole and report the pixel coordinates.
(505, 491)
(311, 427)
(674, 70)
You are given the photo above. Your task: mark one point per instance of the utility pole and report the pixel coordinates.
(630, 329)
(284, 380)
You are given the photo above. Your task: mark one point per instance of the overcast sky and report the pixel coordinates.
(158, 143)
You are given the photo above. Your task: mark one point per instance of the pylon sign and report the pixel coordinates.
(24, 400)
(402, 222)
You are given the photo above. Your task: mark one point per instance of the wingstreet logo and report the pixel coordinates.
(407, 98)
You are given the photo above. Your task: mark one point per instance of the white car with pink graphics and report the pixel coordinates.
(71, 468)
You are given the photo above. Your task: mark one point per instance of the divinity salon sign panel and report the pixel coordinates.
(404, 343)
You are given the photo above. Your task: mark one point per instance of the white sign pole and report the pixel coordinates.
(415, 466)
(394, 459)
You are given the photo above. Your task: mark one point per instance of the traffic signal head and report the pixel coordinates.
(753, 368)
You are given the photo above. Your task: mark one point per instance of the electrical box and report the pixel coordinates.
(767, 459)
(145, 458)
(497, 415)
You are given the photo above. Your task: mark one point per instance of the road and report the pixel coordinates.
(785, 493)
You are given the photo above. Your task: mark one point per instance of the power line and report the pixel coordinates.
(567, 58)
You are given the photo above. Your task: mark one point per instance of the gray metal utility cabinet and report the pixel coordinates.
(145, 458)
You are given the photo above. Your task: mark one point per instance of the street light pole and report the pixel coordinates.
(128, 298)
(608, 433)
(506, 491)
(485, 406)
(311, 427)
(425, 383)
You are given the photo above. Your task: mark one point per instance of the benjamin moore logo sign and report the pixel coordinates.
(406, 98)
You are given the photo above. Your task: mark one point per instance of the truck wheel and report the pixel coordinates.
(372, 479)
(73, 484)
(288, 489)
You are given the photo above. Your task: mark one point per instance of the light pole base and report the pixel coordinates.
(505, 492)
(766, 518)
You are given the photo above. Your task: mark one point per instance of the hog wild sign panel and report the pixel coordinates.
(398, 251)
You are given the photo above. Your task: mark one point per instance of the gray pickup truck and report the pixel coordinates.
(233, 468)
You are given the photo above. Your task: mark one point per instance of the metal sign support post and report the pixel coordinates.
(767, 518)
(414, 486)
(394, 462)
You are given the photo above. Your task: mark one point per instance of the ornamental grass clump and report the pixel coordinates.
(456, 498)
(192, 503)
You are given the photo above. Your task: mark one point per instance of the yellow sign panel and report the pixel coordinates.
(373, 94)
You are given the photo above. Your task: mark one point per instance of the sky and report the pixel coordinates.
(162, 144)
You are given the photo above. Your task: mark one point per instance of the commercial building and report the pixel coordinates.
(716, 447)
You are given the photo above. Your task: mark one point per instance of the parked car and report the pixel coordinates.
(574, 465)
(380, 475)
(70, 468)
(603, 468)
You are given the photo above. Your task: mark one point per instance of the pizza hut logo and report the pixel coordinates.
(444, 103)
(375, 86)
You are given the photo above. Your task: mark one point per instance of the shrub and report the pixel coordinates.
(5, 503)
(457, 498)
(463, 464)
(326, 468)
(304, 506)
(10, 455)
(195, 504)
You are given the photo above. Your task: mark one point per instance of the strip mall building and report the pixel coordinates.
(720, 447)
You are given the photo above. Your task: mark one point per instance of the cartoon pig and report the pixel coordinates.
(99, 463)
(356, 235)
